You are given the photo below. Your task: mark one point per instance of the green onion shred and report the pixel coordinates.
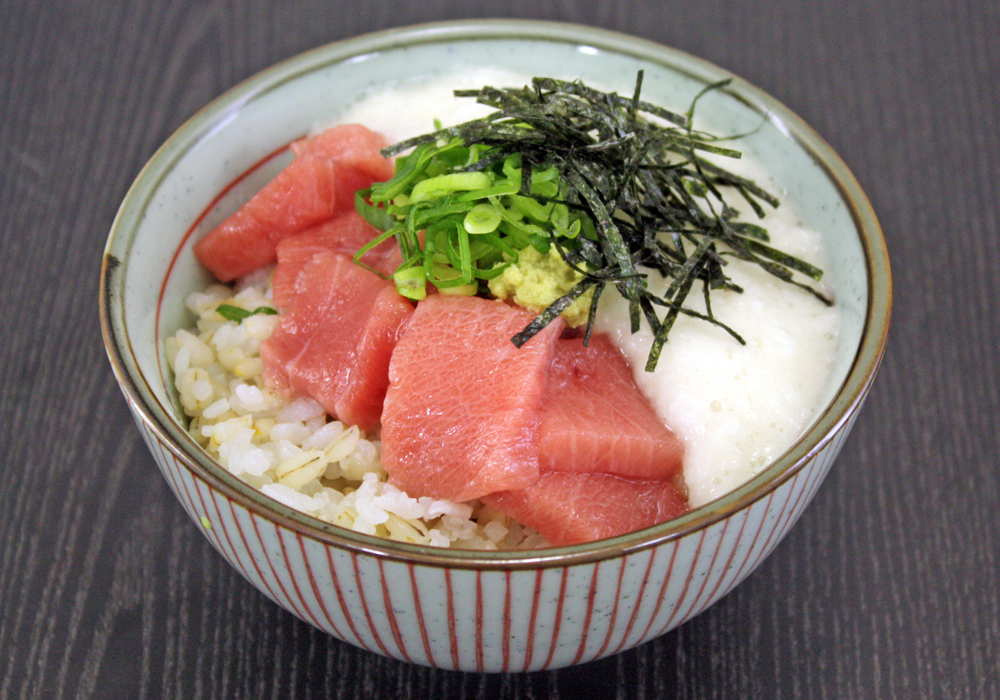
(236, 313)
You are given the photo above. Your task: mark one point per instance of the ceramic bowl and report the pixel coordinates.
(460, 610)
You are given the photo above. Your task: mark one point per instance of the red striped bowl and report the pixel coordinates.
(460, 610)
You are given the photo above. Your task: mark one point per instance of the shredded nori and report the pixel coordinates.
(656, 204)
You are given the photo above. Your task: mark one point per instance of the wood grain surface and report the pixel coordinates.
(886, 588)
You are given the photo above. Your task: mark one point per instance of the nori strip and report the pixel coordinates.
(653, 202)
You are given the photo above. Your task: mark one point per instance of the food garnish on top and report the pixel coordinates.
(618, 186)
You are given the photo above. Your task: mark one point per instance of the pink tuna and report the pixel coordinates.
(461, 414)
(345, 234)
(334, 341)
(301, 195)
(595, 419)
(320, 182)
(355, 150)
(571, 508)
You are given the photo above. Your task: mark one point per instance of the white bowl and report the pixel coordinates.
(483, 611)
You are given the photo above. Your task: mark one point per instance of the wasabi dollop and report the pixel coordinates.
(538, 279)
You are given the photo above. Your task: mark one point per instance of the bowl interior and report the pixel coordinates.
(234, 145)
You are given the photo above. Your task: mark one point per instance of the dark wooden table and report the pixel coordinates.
(886, 588)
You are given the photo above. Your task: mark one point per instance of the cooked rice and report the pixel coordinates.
(292, 450)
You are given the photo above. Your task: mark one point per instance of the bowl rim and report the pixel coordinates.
(825, 427)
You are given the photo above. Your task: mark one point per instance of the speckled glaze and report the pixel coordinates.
(461, 610)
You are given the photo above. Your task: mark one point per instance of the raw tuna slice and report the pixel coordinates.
(335, 340)
(351, 145)
(355, 149)
(461, 414)
(344, 234)
(595, 419)
(301, 195)
(328, 169)
(571, 508)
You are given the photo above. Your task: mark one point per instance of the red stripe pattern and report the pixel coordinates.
(516, 620)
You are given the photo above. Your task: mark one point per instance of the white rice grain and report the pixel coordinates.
(290, 497)
(495, 531)
(325, 436)
(216, 409)
(299, 410)
(294, 433)
(201, 388)
(182, 361)
(250, 396)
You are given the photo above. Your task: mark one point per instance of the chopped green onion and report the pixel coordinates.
(533, 208)
(236, 313)
(462, 290)
(501, 188)
(482, 218)
(411, 282)
(445, 184)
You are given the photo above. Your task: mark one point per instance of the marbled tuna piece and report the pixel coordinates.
(355, 150)
(351, 145)
(300, 196)
(595, 419)
(572, 508)
(334, 341)
(344, 234)
(320, 182)
(462, 411)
